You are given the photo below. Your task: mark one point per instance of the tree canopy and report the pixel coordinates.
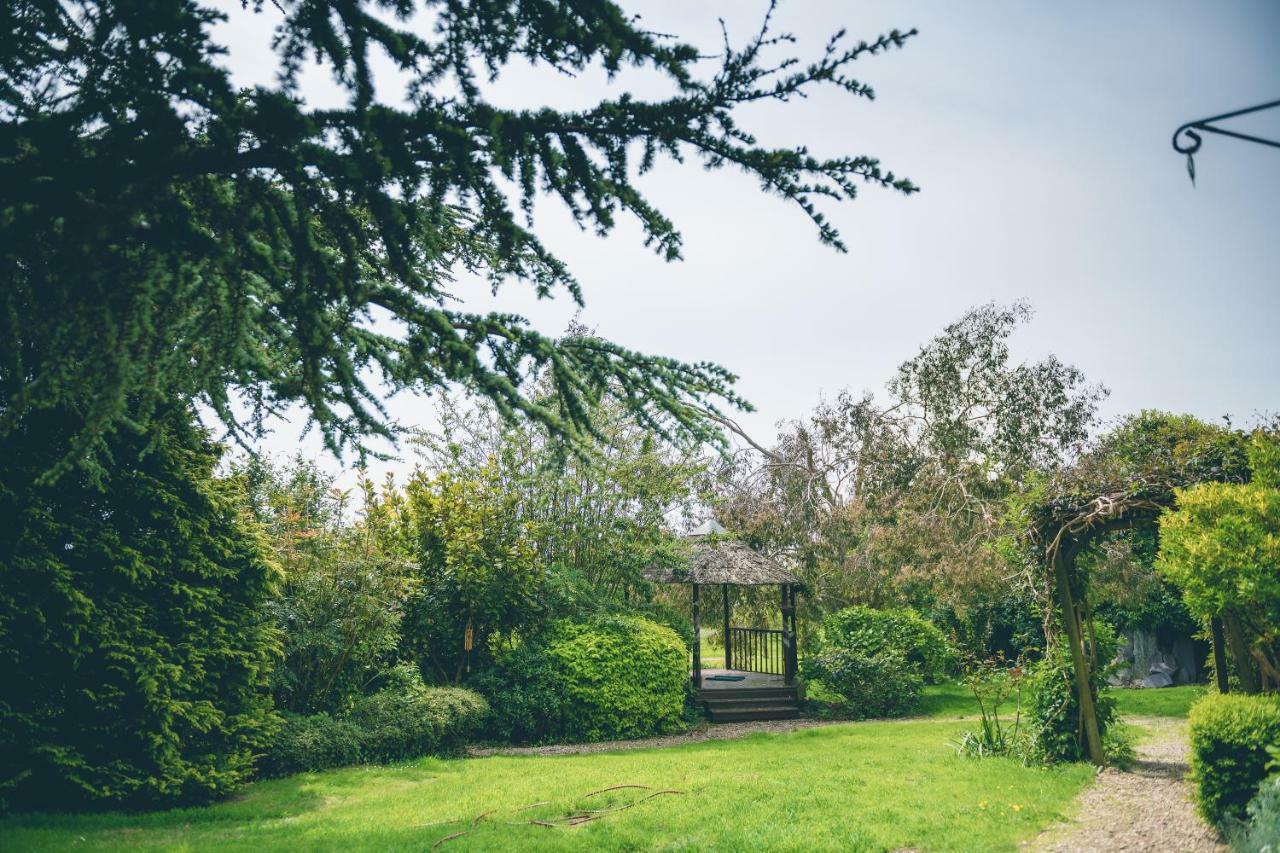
(164, 233)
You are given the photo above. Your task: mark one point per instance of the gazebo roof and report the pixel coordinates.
(717, 561)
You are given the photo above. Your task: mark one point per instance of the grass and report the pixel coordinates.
(861, 786)
(1157, 702)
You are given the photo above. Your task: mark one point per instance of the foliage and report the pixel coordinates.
(890, 785)
(405, 719)
(993, 683)
(1229, 736)
(899, 500)
(135, 664)
(249, 249)
(598, 518)
(612, 677)
(480, 580)
(1221, 547)
(898, 630)
(882, 684)
(1260, 833)
(1053, 712)
(346, 584)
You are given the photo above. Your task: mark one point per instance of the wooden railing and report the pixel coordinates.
(755, 650)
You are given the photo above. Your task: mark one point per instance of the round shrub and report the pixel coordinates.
(135, 663)
(871, 632)
(880, 685)
(312, 742)
(610, 677)
(1229, 739)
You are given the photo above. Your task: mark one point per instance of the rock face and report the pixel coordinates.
(1151, 660)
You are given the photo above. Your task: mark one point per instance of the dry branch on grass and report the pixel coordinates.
(576, 818)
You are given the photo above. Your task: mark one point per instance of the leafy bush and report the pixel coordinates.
(872, 632)
(408, 719)
(1229, 738)
(312, 742)
(403, 720)
(1261, 832)
(134, 661)
(345, 584)
(1053, 712)
(610, 677)
(880, 685)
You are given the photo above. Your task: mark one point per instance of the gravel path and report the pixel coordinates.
(1145, 808)
(719, 731)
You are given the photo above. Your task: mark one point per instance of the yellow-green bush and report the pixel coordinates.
(1229, 739)
(610, 677)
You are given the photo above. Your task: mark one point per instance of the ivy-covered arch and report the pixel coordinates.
(1125, 481)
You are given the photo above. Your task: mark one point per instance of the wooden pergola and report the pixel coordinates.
(728, 563)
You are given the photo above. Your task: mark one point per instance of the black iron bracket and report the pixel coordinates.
(1187, 141)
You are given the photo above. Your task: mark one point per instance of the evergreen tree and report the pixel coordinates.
(136, 660)
(164, 234)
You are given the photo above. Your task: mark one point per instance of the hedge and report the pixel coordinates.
(872, 632)
(1230, 735)
(402, 721)
(609, 677)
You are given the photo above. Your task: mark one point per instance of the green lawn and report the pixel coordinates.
(1157, 702)
(860, 786)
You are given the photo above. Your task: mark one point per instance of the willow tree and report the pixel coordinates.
(1125, 481)
(165, 234)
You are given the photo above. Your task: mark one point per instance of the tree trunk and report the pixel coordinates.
(1240, 652)
(1062, 564)
(1219, 654)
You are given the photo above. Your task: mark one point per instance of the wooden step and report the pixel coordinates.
(726, 693)
(745, 702)
(778, 712)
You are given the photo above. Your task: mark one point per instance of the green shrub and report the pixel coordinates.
(1053, 711)
(1260, 833)
(1229, 739)
(134, 660)
(610, 677)
(408, 720)
(881, 685)
(403, 720)
(871, 632)
(312, 742)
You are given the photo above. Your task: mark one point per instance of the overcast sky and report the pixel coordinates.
(1039, 134)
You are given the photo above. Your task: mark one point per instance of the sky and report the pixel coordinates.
(1040, 137)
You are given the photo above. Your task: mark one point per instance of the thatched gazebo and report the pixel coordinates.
(715, 561)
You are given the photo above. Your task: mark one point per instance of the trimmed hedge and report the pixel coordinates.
(1229, 739)
(610, 677)
(880, 685)
(872, 632)
(404, 720)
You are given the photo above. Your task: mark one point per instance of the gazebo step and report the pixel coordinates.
(766, 712)
(720, 694)
(742, 702)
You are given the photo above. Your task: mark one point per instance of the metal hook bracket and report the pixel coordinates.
(1187, 141)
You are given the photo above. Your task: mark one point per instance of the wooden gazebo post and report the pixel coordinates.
(697, 636)
(728, 656)
(789, 657)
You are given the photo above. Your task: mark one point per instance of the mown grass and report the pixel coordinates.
(1157, 702)
(861, 786)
